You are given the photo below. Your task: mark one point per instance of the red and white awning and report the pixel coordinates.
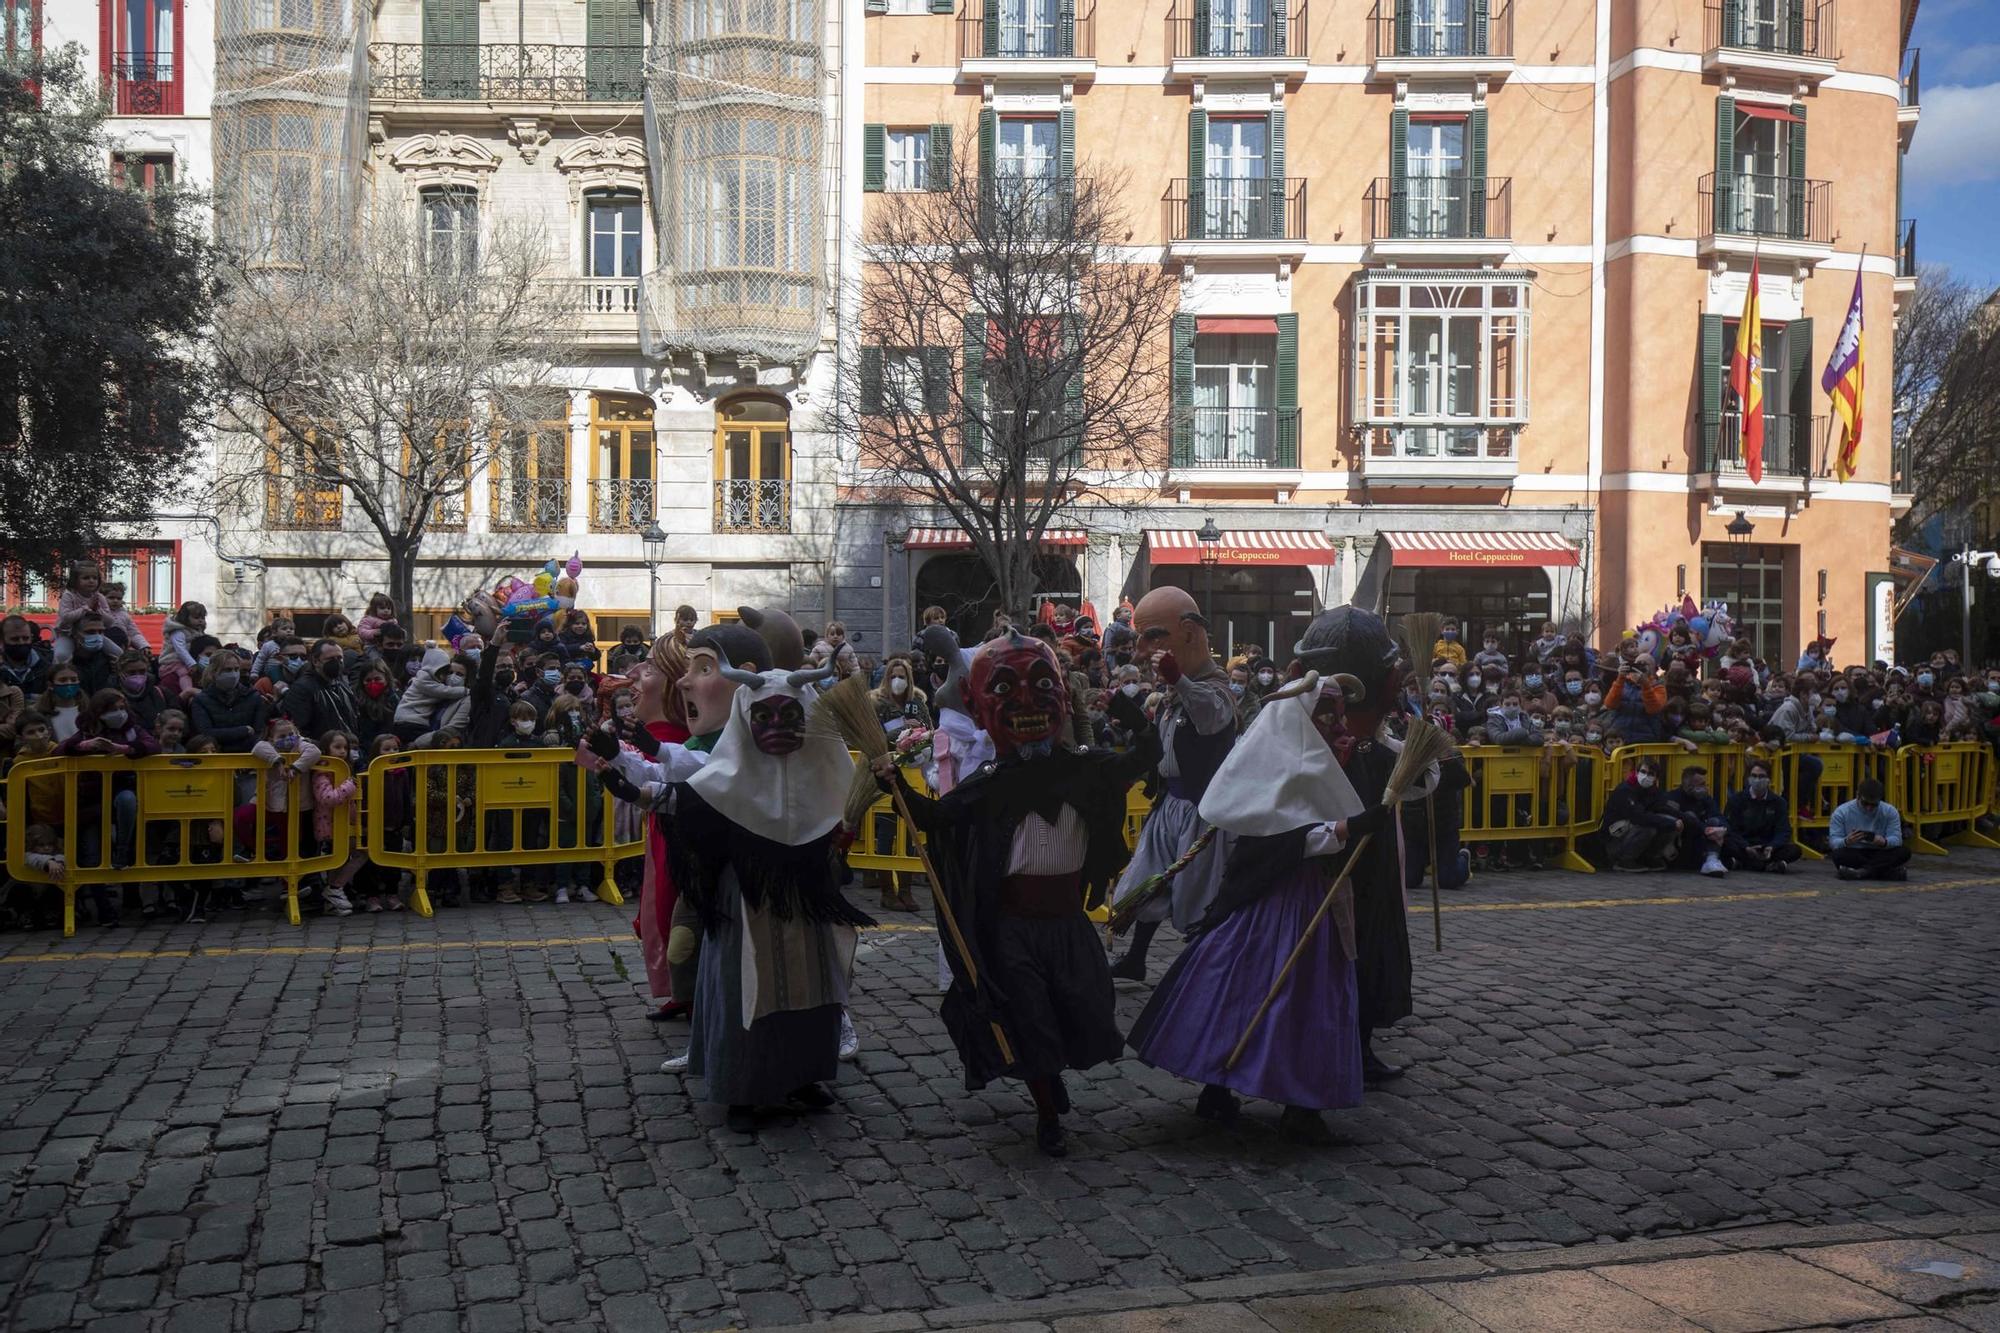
(1479, 550)
(957, 539)
(1179, 546)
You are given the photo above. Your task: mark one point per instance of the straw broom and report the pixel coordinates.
(1423, 746)
(844, 713)
(1418, 633)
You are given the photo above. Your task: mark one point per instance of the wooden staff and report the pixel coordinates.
(1437, 912)
(945, 914)
(1305, 938)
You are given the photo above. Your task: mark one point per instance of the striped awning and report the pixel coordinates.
(957, 539)
(1479, 550)
(1180, 546)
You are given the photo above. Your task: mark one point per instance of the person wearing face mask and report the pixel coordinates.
(287, 782)
(1470, 703)
(1704, 833)
(1448, 646)
(898, 701)
(375, 700)
(227, 709)
(1263, 676)
(105, 726)
(135, 682)
(440, 682)
(320, 698)
(22, 664)
(1508, 723)
(94, 656)
(1641, 826)
(1853, 711)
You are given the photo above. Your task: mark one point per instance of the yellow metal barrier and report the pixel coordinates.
(1943, 784)
(1523, 792)
(169, 819)
(884, 841)
(473, 808)
(1137, 806)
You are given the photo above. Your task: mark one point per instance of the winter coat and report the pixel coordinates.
(235, 719)
(287, 771)
(317, 705)
(424, 701)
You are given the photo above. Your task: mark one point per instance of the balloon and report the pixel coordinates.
(575, 565)
(1649, 642)
(551, 569)
(533, 609)
(455, 629)
(508, 589)
(1698, 626)
(543, 582)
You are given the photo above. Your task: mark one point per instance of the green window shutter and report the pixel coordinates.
(1795, 28)
(1181, 428)
(941, 6)
(874, 158)
(989, 28)
(1399, 168)
(1199, 46)
(1475, 203)
(989, 149)
(1712, 377)
(1197, 186)
(1066, 29)
(1073, 384)
(1275, 43)
(1481, 20)
(1799, 386)
(937, 380)
(878, 6)
(871, 381)
(1275, 164)
(1795, 187)
(1402, 25)
(1287, 391)
(974, 394)
(939, 165)
(1066, 143)
(1732, 22)
(451, 48)
(1725, 162)
(616, 38)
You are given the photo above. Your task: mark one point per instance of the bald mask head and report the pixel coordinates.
(1168, 620)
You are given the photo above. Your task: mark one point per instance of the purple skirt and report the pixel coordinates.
(1307, 1051)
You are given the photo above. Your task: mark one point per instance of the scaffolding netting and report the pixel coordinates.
(736, 136)
(291, 116)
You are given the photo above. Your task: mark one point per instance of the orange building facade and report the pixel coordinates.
(1458, 284)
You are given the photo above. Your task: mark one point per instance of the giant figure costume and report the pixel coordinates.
(1017, 845)
(1197, 726)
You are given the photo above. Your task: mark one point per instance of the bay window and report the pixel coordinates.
(1441, 364)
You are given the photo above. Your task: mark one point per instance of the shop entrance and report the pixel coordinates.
(962, 585)
(1511, 604)
(1258, 610)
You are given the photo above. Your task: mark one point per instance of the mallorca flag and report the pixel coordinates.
(1746, 378)
(1842, 381)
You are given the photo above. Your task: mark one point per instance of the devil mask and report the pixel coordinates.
(778, 725)
(1353, 647)
(1019, 696)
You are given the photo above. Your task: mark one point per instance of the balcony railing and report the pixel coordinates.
(1259, 30)
(534, 72)
(1773, 27)
(1238, 437)
(622, 505)
(1906, 248)
(1786, 208)
(752, 504)
(145, 85)
(1901, 472)
(1254, 208)
(1441, 208)
(1440, 30)
(1912, 80)
(1442, 442)
(530, 504)
(291, 505)
(1054, 31)
(1787, 445)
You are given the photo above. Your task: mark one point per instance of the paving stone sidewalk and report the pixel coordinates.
(387, 1122)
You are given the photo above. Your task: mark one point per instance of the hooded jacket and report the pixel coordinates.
(428, 692)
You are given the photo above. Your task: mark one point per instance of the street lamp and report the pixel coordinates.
(1210, 538)
(1989, 561)
(1739, 530)
(654, 542)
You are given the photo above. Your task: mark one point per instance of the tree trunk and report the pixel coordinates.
(402, 576)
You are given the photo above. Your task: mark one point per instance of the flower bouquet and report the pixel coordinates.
(913, 747)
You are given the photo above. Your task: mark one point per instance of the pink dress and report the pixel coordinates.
(656, 889)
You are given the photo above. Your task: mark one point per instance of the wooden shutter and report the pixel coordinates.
(989, 150)
(1399, 169)
(1066, 29)
(1402, 25)
(1732, 22)
(1725, 166)
(1287, 391)
(451, 48)
(989, 28)
(1712, 376)
(871, 381)
(1072, 351)
(974, 395)
(1275, 164)
(1197, 186)
(1199, 45)
(1066, 144)
(1475, 203)
(1481, 20)
(878, 6)
(937, 380)
(874, 158)
(616, 38)
(1795, 185)
(1795, 27)
(941, 6)
(1181, 428)
(1274, 40)
(938, 156)
(1799, 385)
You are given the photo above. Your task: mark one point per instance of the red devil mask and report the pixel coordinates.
(1018, 693)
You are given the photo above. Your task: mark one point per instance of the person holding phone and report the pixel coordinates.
(1866, 836)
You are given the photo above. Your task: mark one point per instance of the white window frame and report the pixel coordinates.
(903, 381)
(906, 160)
(1391, 309)
(1247, 434)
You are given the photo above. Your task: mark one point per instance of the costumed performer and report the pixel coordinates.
(1197, 725)
(1016, 846)
(958, 746)
(1290, 810)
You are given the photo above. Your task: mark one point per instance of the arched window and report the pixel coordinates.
(753, 465)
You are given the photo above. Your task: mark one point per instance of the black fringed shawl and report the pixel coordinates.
(785, 880)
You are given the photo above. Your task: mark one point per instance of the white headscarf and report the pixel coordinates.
(792, 798)
(1280, 776)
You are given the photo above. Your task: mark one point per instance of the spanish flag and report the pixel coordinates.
(1842, 382)
(1746, 378)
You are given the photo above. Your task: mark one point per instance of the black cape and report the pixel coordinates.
(800, 880)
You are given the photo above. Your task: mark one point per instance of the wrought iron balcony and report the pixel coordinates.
(145, 85)
(622, 505)
(1796, 28)
(1446, 30)
(1259, 30)
(1788, 443)
(1906, 248)
(1784, 208)
(1441, 208)
(1912, 81)
(292, 504)
(1251, 208)
(1236, 437)
(753, 504)
(529, 504)
(1054, 31)
(534, 72)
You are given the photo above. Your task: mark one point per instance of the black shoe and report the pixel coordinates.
(1302, 1125)
(1060, 1091)
(1049, 1137)
(669, 1011)
(1132, 967)
(811, 1096)
(1897, 873)
(742, 1119)
(1219, 1104)
(1374, 1071)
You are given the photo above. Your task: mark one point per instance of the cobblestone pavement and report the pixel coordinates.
(458, 1123)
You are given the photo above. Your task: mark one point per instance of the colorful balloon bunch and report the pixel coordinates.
(551, 592)
(1686, 632)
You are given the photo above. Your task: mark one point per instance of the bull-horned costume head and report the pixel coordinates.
(1018, 694)
(1352, 648)
(944, 667)
(766, 774)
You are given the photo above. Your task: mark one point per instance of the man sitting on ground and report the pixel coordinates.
(1866, 836)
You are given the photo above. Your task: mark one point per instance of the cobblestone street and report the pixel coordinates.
(459, 1123)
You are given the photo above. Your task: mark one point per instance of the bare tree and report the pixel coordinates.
(1947, 381)
(387, 364)
(1014, 368)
